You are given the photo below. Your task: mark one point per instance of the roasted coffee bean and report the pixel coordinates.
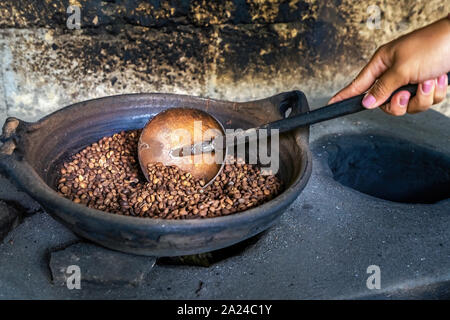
(106, 176)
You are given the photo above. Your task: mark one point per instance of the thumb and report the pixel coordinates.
(382, 89)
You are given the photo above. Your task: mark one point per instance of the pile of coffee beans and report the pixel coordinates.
(107, 176)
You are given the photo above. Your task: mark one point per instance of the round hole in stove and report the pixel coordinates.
(389, 168)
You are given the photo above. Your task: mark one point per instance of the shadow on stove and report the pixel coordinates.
(207, 259)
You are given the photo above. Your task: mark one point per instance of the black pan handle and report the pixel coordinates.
(329, 112)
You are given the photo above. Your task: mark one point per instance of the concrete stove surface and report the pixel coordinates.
(320, 248)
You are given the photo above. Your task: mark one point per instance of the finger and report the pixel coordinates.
(385, 107)
(423, 98)
(365, 78)
(398, 104)
(383, 88)
(440, 90)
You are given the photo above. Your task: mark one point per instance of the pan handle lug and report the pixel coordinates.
(12, 132)
(8, 137)
(292, 103)
(9, 129)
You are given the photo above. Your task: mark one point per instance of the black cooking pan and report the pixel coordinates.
(32, 153)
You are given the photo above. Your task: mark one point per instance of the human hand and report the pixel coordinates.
(422, 56)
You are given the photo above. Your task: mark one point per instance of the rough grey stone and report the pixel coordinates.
(22, 201)
(14, 206)
(9, 219)
(100, 266)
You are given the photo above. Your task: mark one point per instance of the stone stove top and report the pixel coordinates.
(320, 248)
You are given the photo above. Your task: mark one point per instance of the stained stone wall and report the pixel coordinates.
(229, 49)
